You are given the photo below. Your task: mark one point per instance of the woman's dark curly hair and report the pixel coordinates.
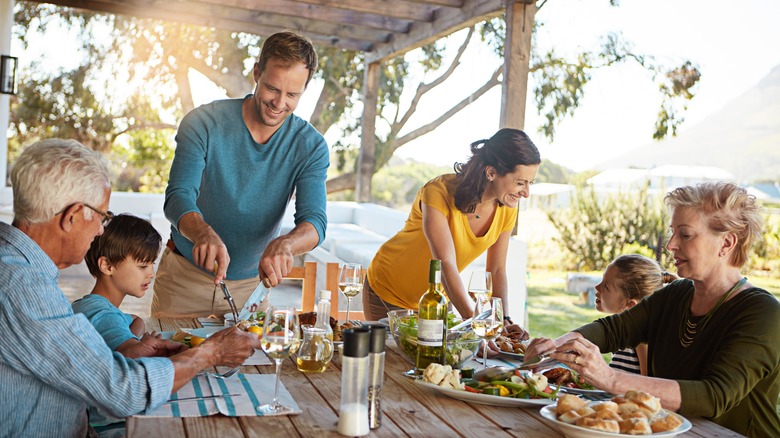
(505, 150)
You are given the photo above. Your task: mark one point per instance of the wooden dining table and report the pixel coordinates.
(408, 408)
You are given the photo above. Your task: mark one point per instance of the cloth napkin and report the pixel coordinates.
(253, 389)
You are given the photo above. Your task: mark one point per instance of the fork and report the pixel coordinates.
(224, 375)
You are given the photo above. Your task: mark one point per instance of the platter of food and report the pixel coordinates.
(567, 380)
(514, 356)
(522, 389)
(636, 413)
(485, 399)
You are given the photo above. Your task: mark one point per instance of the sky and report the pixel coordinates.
(735, 44)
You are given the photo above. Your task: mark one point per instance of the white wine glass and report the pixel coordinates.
(480, 285)
(488, 322)
(281, 338)
(351, 282)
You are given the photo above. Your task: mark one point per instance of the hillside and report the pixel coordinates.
(743, 138)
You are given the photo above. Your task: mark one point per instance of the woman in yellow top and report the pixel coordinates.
(455, 218)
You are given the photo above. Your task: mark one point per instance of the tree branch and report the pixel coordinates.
(424, 88)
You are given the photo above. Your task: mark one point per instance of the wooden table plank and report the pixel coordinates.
(408, 409)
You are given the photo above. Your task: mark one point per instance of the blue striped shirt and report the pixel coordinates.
(53, 363)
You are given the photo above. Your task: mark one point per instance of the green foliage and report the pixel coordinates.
(595, 231)
(550, 172)
(396, 186)
(766, 252)
(143, 161)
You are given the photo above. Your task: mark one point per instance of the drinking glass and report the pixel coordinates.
(351, 282)
(281, 338)
(480, 285)
(488, 322)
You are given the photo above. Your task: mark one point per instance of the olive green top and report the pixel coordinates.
(730, 374)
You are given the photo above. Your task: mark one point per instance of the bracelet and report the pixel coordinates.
(508, 319)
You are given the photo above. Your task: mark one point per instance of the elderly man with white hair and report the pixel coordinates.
(53, 364)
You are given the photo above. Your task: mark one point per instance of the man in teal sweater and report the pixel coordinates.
(238, 163)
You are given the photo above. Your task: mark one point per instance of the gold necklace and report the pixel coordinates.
(688, 329)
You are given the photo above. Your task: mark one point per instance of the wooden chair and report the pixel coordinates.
(308, 274)
(332, 284)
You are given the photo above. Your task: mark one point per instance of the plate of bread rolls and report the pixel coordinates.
(635, 413)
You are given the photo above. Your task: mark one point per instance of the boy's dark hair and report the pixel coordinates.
(126, 235)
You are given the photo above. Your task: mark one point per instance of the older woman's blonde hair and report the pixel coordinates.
(728, 209)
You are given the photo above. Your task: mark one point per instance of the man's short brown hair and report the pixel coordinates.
(290, 47)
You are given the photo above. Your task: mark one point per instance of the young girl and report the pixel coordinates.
(627, 280)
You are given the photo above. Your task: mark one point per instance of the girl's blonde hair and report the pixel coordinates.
(640, 276)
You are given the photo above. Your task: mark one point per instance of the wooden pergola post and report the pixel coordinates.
(367, 137)
(517, 57)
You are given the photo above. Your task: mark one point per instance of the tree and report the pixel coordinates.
(163, 53)
(596, 229)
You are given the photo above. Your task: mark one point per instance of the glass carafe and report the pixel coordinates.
(316, 350)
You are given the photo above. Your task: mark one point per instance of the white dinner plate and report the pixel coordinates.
(515, 356)
(485, 399)
(201, 332)
(574, 431)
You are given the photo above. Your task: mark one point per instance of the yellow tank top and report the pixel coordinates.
(399, 271)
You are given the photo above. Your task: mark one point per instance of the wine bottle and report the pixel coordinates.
(432, 321)
(323, 314)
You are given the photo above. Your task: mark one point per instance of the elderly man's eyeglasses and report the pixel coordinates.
(107, 215)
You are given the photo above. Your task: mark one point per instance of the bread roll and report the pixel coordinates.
(569, 402)
(635, 426)
(593, 423)
(665, 423)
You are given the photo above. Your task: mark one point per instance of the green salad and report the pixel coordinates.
(461, 345)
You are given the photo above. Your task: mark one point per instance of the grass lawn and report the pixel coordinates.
(551, 310)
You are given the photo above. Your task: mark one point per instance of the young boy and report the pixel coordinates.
(122, 262)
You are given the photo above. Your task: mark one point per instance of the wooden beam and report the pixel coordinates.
(317, 12)
(447, 3)
(393, 8)
(446, 23)
(517, 57)
(366, 156)
(344, 42)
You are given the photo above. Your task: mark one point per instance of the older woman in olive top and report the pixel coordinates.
(455, 218)
(713, 338)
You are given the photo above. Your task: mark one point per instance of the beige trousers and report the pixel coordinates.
(182, 290)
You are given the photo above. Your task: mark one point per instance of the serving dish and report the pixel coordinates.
(485, 399)
(574, 431)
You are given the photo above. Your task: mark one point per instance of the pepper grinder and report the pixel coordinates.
(353, 412)
(376, 374)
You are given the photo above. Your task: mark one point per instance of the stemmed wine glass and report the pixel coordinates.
(488, 322)
(351, 282)
(480, 285)
(281, 338)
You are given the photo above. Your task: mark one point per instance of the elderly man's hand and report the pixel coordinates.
(151, 345)
(232, 346)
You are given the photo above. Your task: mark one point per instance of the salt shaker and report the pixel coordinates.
(353, 412)
(376, 371)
